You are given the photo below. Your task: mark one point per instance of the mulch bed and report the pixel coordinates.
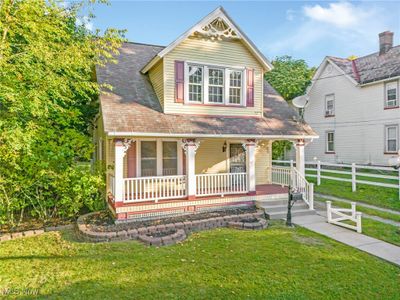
(104, 222)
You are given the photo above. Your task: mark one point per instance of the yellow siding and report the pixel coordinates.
(210, 158)
(226, 52)
(156, 75)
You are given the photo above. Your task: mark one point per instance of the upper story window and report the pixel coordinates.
(330, 105)
(195, 84)
(392, 138)
(330, 141)
(391, 95)
(214, 85)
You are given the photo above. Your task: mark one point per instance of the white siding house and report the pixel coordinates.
(354, 107)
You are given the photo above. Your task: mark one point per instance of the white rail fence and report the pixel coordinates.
(319, 170)
(221, 184)
(354, 216)
(154, 188)
(289, 176)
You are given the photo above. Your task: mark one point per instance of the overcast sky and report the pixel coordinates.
(302, 29)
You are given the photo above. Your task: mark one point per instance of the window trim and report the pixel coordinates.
(326, 105)
(205, 94)
(385, 91)
(186, 83)
(159, 155)
(327, 141)
(386, 150)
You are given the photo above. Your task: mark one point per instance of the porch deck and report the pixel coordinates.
(146, 209)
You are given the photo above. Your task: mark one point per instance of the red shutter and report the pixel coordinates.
(250, 88)
(132, 160)
(183, 162)
(179, 81)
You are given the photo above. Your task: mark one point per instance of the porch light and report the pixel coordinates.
(224, 147)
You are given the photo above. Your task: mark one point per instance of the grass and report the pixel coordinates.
(277, 263)
(385, 232)
(366, 210)
(379, 196)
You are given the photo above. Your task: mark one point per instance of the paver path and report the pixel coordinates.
(318, 223)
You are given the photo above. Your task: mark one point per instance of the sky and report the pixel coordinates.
(308, 30)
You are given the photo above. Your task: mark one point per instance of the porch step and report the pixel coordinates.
(277, 209)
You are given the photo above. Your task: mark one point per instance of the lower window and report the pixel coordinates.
(170, 158)
(148, 161)
(330, 141)
(392, 138)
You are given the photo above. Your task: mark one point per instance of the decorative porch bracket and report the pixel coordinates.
(190, 147)
(250, 148)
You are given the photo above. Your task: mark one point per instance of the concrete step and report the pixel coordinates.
(283, 207)
(262, 203)
(282, 214)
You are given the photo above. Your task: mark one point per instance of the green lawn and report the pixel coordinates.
(385, 232)
(379, 196)
(277, 263)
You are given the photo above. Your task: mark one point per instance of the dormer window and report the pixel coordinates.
(218, 85)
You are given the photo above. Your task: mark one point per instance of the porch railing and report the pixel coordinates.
(154, 188)
(290, 176)
(221, 184)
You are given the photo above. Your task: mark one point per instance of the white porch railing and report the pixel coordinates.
(221, 184)
(154, 188)
(291, 177)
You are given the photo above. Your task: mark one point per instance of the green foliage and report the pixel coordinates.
(48, 99)
(290, 77)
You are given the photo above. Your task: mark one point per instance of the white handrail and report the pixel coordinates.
(221, 184)
(286, 176)
(154, 188)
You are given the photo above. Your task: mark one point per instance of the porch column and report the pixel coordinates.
(300, 163)
(190, 146)
(250, 146)
(119, 153)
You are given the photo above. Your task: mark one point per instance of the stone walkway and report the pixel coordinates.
(318, 223)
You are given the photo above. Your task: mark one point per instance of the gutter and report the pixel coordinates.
(194, 135)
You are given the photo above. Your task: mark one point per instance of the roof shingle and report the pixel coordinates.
(132, 105)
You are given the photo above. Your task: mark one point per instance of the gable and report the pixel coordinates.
(215, 26)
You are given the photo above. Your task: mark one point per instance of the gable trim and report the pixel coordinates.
(219, 12)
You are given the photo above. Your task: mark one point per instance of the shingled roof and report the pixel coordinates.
(132, 107)
(371, 67)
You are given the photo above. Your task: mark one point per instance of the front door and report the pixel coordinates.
(237, 158)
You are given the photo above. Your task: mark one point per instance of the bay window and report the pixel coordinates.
(207, 84)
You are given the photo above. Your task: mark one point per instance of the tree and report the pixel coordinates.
(48, 99)
(290, 77)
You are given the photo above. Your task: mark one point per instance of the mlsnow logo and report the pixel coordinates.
(19, 291)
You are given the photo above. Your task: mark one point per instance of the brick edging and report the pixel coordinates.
(34, 232)
(180, 229)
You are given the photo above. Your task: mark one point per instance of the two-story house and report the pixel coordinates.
(189, 127)
(354, 107)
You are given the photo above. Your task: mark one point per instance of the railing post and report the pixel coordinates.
(358, 222)
(291, 163)
(353, 210)
(328, 211)
(318, 172)
(353, 177)
(311, 196)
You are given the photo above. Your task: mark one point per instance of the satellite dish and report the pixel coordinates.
(300, 101)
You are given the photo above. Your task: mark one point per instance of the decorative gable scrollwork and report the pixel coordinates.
(218, 29)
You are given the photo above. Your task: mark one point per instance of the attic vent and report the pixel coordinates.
(218, 29)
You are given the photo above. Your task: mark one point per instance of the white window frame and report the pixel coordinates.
(391, 85)
(227, 69)
(159, 155)
(327, 141)
(396, 126)
(327, 114)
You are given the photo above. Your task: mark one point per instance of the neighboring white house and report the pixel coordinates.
(354, 107)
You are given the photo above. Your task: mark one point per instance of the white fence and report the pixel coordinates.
(221, 184)
(154, 188)
(291, 177)
(351, 170)
(354, 216)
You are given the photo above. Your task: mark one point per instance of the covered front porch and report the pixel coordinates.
(156, 175)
